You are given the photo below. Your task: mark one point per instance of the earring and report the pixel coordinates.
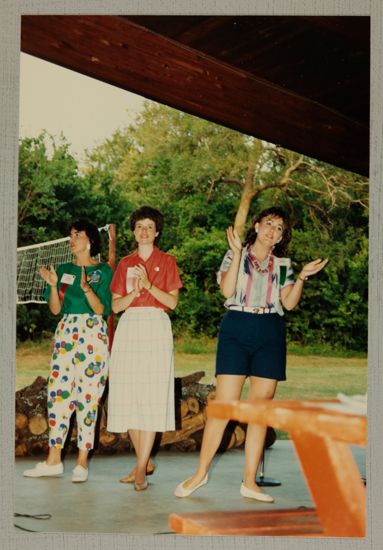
(88, 246)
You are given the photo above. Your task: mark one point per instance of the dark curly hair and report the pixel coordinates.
(150, 213)
(83, 224)
(280, 248)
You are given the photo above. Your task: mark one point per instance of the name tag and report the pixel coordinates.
(130, 279)
(68, 279)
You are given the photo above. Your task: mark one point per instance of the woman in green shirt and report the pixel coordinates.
(79, 290)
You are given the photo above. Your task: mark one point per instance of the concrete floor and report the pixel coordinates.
(103, 505)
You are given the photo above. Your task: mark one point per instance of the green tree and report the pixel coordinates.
(204, 177)
(170, 155)
(52, 193)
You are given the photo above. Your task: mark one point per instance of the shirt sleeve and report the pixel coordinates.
(103, 290)
(227, 259)
(173, 280)
(118, 284)
(286, 274)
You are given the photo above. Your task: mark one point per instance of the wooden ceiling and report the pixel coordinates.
(301, 82)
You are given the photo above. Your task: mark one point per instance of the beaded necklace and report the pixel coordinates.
(261, 270)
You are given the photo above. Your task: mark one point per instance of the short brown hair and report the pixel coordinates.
(150, 213)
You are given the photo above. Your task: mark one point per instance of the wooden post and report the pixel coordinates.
(112, 263)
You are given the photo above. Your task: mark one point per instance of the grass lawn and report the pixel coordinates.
(308, 376)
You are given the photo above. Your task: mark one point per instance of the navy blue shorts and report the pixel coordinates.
(252, 345)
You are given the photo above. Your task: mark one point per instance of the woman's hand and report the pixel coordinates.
(84, 283)
(312, 268)
(290, 295)
(49, 275)
(143, 280)
(234, 240)
(137, 285)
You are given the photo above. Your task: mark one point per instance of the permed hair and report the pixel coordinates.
(280, 248)
(150, 213)
(83, 224)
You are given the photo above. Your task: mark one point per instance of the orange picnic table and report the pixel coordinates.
(321, 437)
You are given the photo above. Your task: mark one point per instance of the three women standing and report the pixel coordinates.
(256, 281)
(79, 290)
(141, 384)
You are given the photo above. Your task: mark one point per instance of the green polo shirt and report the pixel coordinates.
(99, 277)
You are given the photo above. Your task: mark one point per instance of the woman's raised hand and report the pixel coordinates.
(49, 275)
(84, 283)
(233, 240)
(142, 276)
(312, 267)
(137, 285)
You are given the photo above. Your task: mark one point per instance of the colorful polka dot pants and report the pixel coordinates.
(79, 369)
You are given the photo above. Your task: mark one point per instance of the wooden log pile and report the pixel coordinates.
(191, 398)
(31, 425)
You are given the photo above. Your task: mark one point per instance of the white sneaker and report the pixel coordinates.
(80, 474)
(42, 469)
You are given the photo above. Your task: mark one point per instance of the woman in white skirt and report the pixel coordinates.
(141, 384)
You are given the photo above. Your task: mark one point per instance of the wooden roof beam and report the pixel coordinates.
(129, 56)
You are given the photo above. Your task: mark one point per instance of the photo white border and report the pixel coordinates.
(10, 12)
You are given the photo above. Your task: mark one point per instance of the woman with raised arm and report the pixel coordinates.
(256, 280)
(141, 385)
(79, 291)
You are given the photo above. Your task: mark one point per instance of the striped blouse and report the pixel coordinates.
(259, 284)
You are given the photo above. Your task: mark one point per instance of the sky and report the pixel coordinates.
(84, 110)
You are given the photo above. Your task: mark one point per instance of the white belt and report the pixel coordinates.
(246, 309)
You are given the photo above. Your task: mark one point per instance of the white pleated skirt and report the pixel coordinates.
(141, 372)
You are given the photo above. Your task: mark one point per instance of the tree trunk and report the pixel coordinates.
(248, 191)
(243, 208)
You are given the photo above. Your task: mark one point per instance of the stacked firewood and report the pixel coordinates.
(31, 424)
(191, 398)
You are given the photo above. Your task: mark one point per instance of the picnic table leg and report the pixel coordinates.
(335, 484)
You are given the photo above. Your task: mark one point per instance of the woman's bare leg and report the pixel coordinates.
(54, 456)
(82, 459)
(229, 387)
(260, 388)
(135, 438)
(145, 445)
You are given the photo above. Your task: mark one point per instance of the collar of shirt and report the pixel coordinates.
(153, 255)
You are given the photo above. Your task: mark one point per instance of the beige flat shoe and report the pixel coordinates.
(130, 478)
(141, 486)
(256, 495)
(181, 492)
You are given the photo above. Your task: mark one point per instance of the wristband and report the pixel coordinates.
(304, 278)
